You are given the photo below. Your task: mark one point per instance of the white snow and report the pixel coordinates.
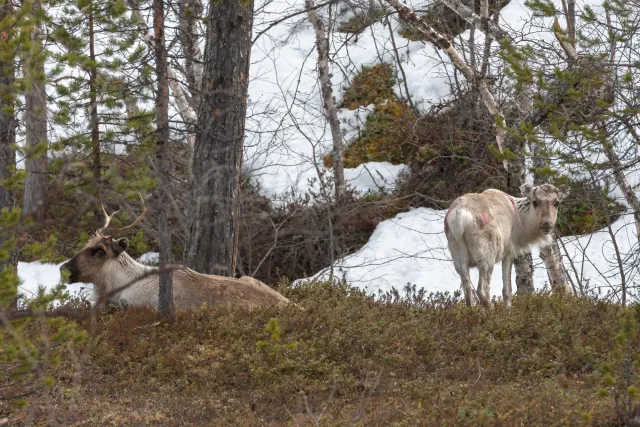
(374, 176)
(150, 258)
(411, 248)
(34, 275)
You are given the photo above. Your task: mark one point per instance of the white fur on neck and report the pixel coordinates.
(119, 272)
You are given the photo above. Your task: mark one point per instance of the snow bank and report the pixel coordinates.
(411, 248)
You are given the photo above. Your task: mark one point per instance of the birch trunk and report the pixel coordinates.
(35, 118)
(330, 110)
(165, 296)
(212, 228)
(190, 13)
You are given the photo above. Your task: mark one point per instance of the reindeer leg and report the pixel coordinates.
(460, 256)
(507, 263)
(469, 295)
(483, 285)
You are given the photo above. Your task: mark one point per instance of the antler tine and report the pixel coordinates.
(140, 218)
(107, 219)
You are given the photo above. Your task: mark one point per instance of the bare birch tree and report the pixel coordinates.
(186, 106)
(330, 109)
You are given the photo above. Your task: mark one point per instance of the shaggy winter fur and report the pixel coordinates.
(105, 263)
(484, 229)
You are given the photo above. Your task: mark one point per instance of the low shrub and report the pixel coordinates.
(343, 357)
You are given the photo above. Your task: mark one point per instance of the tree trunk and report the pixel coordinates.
(7, 125)
(330, 110)
(212, 230)
(35, 186)
(165, 296)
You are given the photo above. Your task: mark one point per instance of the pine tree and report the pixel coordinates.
(100, 78)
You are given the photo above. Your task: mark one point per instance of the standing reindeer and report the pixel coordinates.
(122, 281)
(486, 228)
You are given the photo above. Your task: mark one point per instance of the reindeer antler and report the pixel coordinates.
(108, 218)
(140, 217)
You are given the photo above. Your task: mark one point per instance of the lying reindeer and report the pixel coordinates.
(486, 228)
(122, 281)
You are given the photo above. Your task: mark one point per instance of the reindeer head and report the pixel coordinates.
(100, 252)
(544, 201)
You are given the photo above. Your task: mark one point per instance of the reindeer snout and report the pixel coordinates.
(70, 266)
(546, 227)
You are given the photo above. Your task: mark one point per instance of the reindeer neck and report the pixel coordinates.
(130, 264)
(123, 271)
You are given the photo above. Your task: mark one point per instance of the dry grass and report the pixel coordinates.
(345, 359)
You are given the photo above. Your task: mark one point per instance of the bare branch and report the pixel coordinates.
(492, 28)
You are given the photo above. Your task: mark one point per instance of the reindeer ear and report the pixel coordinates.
(120, 245)
(526, 190)
(563, 192)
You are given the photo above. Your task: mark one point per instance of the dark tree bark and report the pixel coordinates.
(35, 186)
(212, 236)
(165, 296)
(7, 125)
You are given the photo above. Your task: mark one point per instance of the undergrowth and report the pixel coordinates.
(342, 357)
